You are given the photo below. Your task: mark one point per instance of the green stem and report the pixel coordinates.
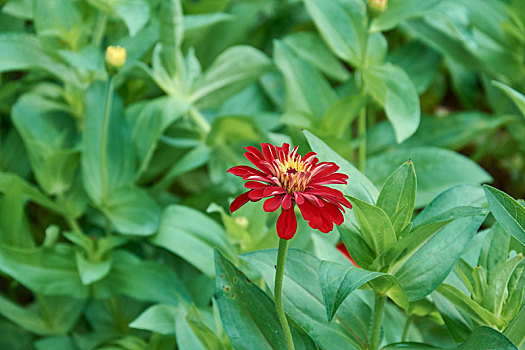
(104, 141)
(100, 28)
(361, 129)
(281, 261)
(199, 120)
(377, 320)
(406, 328)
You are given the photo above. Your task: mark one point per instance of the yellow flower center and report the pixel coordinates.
(293, 174)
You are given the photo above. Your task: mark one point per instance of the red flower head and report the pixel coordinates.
(289, 179)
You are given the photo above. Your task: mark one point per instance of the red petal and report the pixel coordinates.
(254, 185)
(286, 224)
(243, 170)
(258, 162)
(273, 190)
(239, 201)
(269, 152)
(273, 203)
(256, 195)
(287, 201)
(336, 178)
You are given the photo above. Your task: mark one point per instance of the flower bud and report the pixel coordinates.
(377, 5)
(115, 56)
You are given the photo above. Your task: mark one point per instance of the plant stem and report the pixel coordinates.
(104, 142)
(100, 28)
(408, 322)
(281, 260)
(361, 129)
(200, 121)
(377, 320)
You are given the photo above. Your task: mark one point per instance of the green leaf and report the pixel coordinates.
(135, 13)
(307, 91)
(132, 211)
(13, 228)
(36, 319)
(376, 228)
(232, 71)
(438, 170)
(247, 313)
(171, 35)
(338, 281)
(394, 90)
(342, 24)
(48, 134)
(481, 338)
(515, 96)
(204, 334)
(151, 122)
(515, 331)
(158, 318)
(398, 196)
(140, 279)
(509, 213)
(398, 12)
(469, 306)
(313, 50)
(495, 250)
(359, 187)
(498, 290)
(60, 18)
(303, 300)
(193, 236)
(120, 160)
(91, 271)
(420, 272)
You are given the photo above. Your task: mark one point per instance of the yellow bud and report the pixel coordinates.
(378, 5)
(241, 221)
(116, 56)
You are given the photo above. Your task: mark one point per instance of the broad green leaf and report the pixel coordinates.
(355, 243)
(135, 13)
(438, 170)
(498, 290)
(359, 186)
(140, 279)
(469, 306)
(313, 50)
(338, 281)
(132, 211)
(398, 196)
(91, 271)
(23, 52)
(36, 319)
(495, 251)
(515, 331)
(62, 342)
(232, 71)
(61, 19)
(481, 338)
(341, 114)
(29, 192)
(47, 271)
(342, 24)
(193, 236)
(151, 122)
(158, 318)
(14, 229)
(398, 12)
(49, 136)
(171, 34)
(19, 8)
(443, 249)
(509, 213)
(15, 337)
(303, 300)
(394, 90)
(515, 96)
(203, 333)
(119, 165)
(307, 91)
(376, 228)
(247, 313)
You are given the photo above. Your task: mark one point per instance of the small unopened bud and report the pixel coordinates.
(377, 5)
(115, 56)
(241, 221)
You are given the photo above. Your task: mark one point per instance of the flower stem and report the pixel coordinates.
(361, 129)
(281, 260)
(376, 321)
(408, 322)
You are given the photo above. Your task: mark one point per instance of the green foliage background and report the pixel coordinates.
(114, 228)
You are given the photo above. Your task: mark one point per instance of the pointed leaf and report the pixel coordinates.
(509, 213)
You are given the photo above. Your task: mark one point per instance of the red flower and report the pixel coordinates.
(342, 248)
(289, 179)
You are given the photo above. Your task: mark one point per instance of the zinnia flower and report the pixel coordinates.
(286, 179)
